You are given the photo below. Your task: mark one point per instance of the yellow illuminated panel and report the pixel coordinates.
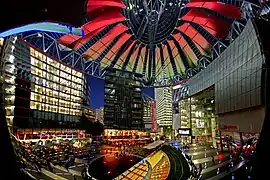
(1, 41)
(155, 158)
(115, 132)
(57, 87)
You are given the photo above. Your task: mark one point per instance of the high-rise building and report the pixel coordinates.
(100, 115)
(90, 114)
(123, 103)
(149, 115)
(163, 98)
(41, 94)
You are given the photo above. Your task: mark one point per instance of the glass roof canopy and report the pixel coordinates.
(157, 38)
(166, 41)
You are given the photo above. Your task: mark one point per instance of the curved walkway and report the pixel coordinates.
(179, 168)
(166, 163)
(162, 168)
(155, 166)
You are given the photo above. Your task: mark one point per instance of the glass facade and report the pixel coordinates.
(198, 113)
(147, 115)
(163, 98)
(123, 103)
(185, 113)
(236, 74)
(40, 92)
(56, 87)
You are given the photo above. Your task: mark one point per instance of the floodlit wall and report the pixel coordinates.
(40, 92)
(249, 120)
(163, 97)
(236, 74)
(55, 87)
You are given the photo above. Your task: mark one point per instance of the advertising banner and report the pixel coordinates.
(184, 131)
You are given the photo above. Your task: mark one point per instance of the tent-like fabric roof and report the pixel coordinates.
(155, 38)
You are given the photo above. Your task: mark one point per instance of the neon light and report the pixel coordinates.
(45, 26)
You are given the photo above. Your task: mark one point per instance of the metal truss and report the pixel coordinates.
(180, 93)
(250, 9)
(217, 49)
(235, 30)
(47, 43)
(146, 98)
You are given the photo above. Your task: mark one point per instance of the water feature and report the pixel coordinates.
(109, 166)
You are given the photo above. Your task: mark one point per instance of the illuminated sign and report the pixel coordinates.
(200, 123)
(184, 132)
(229, 127)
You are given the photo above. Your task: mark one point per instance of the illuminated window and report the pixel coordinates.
(38, 106)
(32, 52)
(58, 87)
(44, 66)
(1, 41)
(36, 54)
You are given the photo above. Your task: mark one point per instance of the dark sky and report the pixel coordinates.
(15, 13)
(97, 92)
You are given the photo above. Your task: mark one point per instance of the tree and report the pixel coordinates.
(92, 127)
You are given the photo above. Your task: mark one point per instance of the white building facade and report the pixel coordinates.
(163, 98)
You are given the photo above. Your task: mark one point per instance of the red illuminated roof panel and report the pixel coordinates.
(227, 10)
(110, 19)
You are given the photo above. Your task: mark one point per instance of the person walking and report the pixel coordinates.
(200, 169)
(213, 160)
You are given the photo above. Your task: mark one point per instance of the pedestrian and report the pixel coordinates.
(228, 168)
(213, 160)
(200, 168)
(67, 166)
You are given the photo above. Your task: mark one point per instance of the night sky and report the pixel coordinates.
(31, 11)
(97, 92)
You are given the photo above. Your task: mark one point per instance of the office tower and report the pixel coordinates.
(147, 115)
(163, 98)
(123, 103)
(90, 114)
(100, 115)
(41, 93)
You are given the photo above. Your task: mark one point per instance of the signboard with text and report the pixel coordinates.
(229, 127)
(184, 131)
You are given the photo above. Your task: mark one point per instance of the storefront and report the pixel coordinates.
(184, 135)
(126, 134)
(198, 114)
(241, 128)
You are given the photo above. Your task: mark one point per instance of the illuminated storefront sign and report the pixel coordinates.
(123, 133)
(184, 132)
(229, 127)
(200, 123)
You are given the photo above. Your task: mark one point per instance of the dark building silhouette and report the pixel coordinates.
(123, 103)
